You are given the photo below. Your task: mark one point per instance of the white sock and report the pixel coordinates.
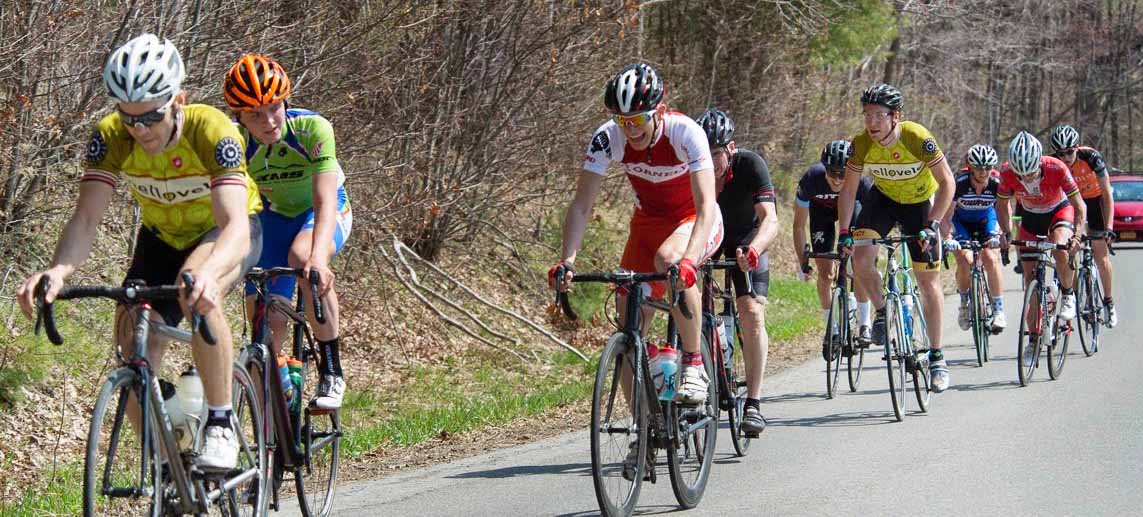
(825, 314)
(863, 309)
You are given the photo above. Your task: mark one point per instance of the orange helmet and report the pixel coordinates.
(255, 81)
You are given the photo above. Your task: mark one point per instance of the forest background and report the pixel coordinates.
(461, 125)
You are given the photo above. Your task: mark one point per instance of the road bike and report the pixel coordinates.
(840, 336)
(1040, 327)
(728, 356)
(980, 297)
(1091, 312)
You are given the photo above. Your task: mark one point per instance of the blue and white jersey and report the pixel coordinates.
(970, 204)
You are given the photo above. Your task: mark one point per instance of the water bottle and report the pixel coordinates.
(1053, 296)
(726, 335)
(284, 374)
(190, 402)
(655, 365)
(669, 359)
(907, 311)
(295, 366)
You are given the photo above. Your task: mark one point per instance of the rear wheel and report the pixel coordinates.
(1027, 356)
(616, 430)
(894, 359)
(980, 324)
(691, 454)
(248, 497)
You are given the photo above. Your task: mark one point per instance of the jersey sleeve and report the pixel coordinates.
(863, 187)
(601, 151)
(323, 147)
(106, 150)
(802, 196)
(219, 147)
(1007, 183)
(1094, 160)
(759, 174)
(860, 144)
(921, 143)
(963, 182)
(690, 144)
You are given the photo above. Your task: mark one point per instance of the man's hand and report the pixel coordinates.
(206, 295)
(933, 231)
(326, 277)
(952, 245)
(747, 261)
(844, 242)
(565, 282)
(26, 293)
(688, 274)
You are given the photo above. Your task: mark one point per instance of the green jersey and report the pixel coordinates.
(284, 170)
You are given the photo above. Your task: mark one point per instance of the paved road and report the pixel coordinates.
(988, 447)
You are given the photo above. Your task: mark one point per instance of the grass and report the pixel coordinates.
(60, 496)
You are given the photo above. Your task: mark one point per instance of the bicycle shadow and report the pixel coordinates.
(792, 397)
(846, 419)
(656, 509)
(987, 386)
(583, 469)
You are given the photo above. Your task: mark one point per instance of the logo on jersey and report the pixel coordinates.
(177, 162)
(895, 171)
(282, 152)
(228, 153)
(170, 191)
(600, 142)
(96, 148)
(929, 146)
(819, 237)
(317, 149)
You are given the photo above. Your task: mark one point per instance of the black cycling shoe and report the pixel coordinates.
(753, 423)
(877, 333)
(863, 337)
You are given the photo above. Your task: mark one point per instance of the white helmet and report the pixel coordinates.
(144, 69)
(1064, 137)
(1024, 154)
(981, 156)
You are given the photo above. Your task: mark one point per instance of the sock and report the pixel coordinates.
(754, 403)
(825, 314)
(692, 359)
(935, 355)
(219, 415)
(1066, 292)
(863, 309)
(330, 358)
(880, 314)
(998, 303)
(964, 298)
(1107, 301)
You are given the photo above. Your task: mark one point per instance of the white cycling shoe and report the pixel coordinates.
(1068, 307)
(694, 386)
(219, 449)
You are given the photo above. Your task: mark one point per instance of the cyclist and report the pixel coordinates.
(1090, 173)
(750, 219)
(816, 202)
(1051, 205)
(184, 166)
(908, 168)
(676, 221)
(307, 220)
(973, 216)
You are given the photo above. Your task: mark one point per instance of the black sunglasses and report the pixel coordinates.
(147, 119)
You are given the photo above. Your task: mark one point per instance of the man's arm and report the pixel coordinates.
(946, 187)
(1080, 208)
(801, 219)
(325, 220)
(1107, 202)
(846, 198)
(587, 189)
(768, 229)
(702, 190)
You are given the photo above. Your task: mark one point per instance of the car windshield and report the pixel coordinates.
(1128, 190)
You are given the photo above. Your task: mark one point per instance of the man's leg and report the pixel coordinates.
(331, 389)
(125, 340)
(825, 280)
(1103, 262)
(694, 380)
(1061, 235)
(963, 277)
(991, 260)
(755, 350)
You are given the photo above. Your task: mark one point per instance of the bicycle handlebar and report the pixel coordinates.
(733, 265)
(1101, 235)
(129, 294)
(259, 275)
(622, 278)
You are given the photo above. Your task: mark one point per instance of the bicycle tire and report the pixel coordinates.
(1031, 295)
(318, 437)
(273, 469)
(114, 394)
(922, 379)
(834, 339)
(736, 377)
(894, 335)
(249, 498)
(852, 371)
(608, 473)
(986, 294)
(978, 332)
(1058, 344)
(694, 452)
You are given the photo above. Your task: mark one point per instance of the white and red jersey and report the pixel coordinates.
(660, 174)
(1043, 195)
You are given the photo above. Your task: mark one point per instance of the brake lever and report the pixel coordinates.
(315, 279)
(44, 314)
(198, 322)
(562, 296)
(677, 297)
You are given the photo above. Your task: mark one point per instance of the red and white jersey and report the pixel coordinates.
(660, 174)
(1043, 195)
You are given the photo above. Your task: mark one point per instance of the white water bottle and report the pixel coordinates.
(726, 334)
(190, 403)
(655, 365)
(669, 359)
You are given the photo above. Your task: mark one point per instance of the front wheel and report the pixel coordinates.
(691, 454)
(1088, 302)
(618, 429)
(1057, 342)
(736, 383)
(981, 324)
(1028, 342)
(112, 484)
(834, 340)
(894, 355)
(318, 438)
(922, 380)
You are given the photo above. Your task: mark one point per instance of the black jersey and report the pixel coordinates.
(814, 193)
(749, 183)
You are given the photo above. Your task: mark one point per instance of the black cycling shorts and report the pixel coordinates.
(759, 277)
(880, 215)
(823, 228)
(1095, 216)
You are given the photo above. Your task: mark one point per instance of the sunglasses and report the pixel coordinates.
(635, 120)
(147, 119)
(1069, 150)
(836, 173)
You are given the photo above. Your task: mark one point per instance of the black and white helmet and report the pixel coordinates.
(637, 88)
(144, 69)
(982, 156)
(718, 127)
(1064, 137)
(884, 95)
(1024, 154)
(836, 153)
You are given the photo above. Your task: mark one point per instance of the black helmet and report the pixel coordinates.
(836, 153)
(884, 95)
(636, 89)
(718, 127)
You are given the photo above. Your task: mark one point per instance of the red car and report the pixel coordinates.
(1128, 194)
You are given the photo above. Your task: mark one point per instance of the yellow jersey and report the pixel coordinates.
(173, 187)
(903, 171)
